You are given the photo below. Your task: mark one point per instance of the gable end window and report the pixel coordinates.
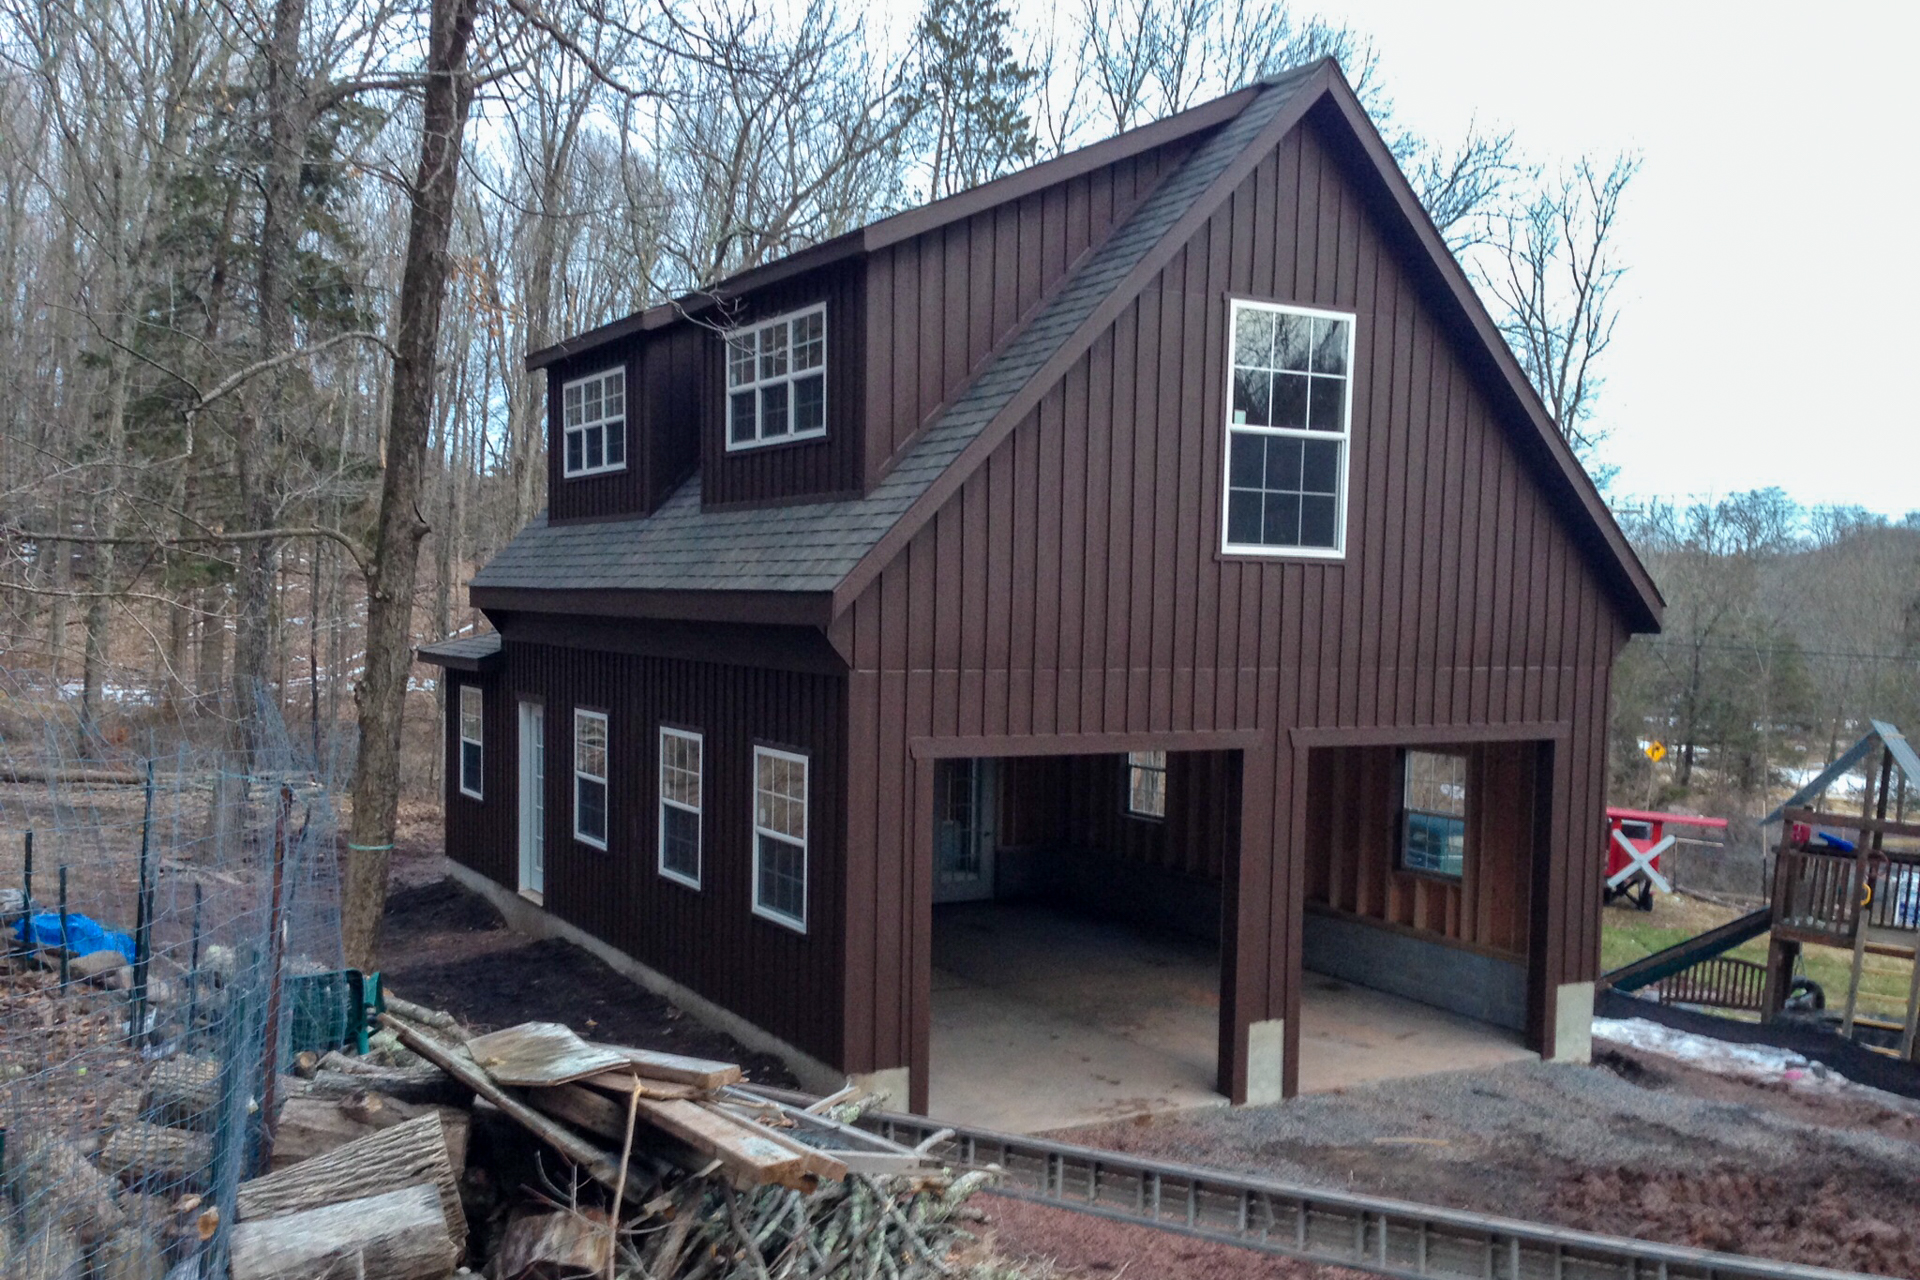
(1433, 816)
(590, 778)
(680, 753)
(1147, 784)
(780, 837)
(1289, 408)
(593, 419)
(777, 380)
(472, 739)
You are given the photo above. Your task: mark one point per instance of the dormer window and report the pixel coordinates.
(594, 422)
(777, 380)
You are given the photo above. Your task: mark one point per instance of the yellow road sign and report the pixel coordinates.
(1656, 751)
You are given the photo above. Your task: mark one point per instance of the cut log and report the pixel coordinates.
(131, 1255)
(311, 1126)
(56, 1186)
(184, 1091)
(438, 1019)
(455, 1062)
(424, 1085)
(540, 1053)
(52, 1254)
(141, 1152)
(400, 1235)
(565, 1243)
(388, 1160)
(703, 1073)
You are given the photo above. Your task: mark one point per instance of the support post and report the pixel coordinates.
(1862, 884)
(26, 895)
(66, 945)
(142, 921)
(276, 953)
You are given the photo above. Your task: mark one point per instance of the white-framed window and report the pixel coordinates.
(1147, 784)
(1289, 419)
(593, 419)
(1433, 819)
(777, 379)
(472, 739)
(590, 777)
(680, 758)
(780, 837)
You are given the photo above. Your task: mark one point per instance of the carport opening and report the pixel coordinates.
(1076, 936)
(1419, 865)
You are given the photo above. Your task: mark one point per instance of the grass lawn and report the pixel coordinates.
(1628, 934)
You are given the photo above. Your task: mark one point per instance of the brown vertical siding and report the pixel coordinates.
(940, 303)
(1080, 802)
(611, 493)
(473, 829)
(708, 938)
(1462, 598)
(829, 465)
(1352, 841)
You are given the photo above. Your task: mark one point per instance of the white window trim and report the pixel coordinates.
(626, 409)
(699, 837)
(729, 390)
(1339, 549)
(1133, 764)
(480, 742)
(579, 773)
(806, 826)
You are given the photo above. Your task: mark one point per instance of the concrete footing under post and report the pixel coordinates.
(1572, 1024)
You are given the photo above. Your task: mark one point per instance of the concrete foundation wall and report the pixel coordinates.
(1460, 981)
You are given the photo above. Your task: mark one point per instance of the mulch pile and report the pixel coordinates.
(1729, 1209)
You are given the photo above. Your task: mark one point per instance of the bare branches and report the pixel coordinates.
(164, 542)
(1552, 267)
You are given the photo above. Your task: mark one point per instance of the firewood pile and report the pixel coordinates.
(534, 1154)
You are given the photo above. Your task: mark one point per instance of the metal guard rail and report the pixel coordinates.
(1366, 1233)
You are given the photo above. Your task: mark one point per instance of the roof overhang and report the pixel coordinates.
(789, 608)
(466, 653)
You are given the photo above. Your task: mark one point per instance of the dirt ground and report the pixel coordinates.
(449, 949)
(1636, 1144)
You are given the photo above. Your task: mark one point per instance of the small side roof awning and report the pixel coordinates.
(464, 653)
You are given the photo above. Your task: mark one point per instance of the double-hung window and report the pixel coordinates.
(590, 777)
(472, 739)
(777, 380)
(1147, 784)
(593, 413)
(680, 753)
(1433, 831)
(1289, 408)
(780, 837)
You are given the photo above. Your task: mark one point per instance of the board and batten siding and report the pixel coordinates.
(1080, 802)
(940, 303)
(709, 939)
(1074, 586)
(1353, 835)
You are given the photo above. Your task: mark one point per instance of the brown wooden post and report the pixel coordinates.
(1782, 953)
(1861, 882)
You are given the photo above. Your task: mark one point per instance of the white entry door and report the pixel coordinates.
(963, 835)
(533, 798)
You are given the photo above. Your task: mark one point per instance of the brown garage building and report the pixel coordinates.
(1164, 532)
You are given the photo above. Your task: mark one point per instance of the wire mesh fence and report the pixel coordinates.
(171, 940)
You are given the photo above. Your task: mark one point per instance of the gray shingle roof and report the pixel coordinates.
(812, 547)
(464, 653)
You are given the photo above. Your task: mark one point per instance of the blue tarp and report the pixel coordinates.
(85, 935)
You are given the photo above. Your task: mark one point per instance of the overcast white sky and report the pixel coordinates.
(1771, 317)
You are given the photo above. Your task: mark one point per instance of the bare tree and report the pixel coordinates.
(1551, 267)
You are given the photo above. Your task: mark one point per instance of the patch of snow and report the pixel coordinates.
(1760, 1063)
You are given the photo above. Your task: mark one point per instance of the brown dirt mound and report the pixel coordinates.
(1726, 1208)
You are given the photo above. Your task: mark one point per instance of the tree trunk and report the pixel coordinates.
(396, 553)
(401, 1235)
